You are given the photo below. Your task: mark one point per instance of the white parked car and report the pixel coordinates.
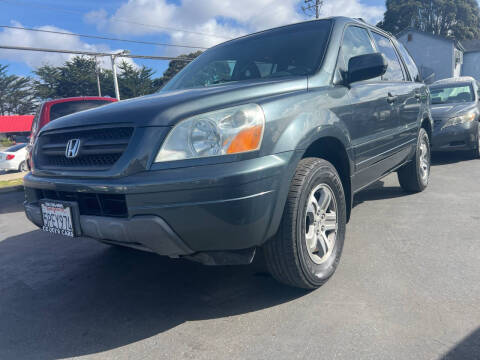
(14, 158)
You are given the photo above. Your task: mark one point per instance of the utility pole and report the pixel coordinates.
(114, 71)
(97, 71)
(312, 7)
(115, 81)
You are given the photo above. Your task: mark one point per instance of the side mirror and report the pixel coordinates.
(365, 67)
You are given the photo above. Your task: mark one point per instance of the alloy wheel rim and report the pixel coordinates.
(424, 161)
(321, 223)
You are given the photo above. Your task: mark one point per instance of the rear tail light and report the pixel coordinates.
(10, 156)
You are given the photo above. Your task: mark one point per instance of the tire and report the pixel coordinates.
(22, 167)
(288, 257)
(475, 154)
(415, 175)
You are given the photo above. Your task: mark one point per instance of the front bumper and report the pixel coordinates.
(457, 137)
(188, 210)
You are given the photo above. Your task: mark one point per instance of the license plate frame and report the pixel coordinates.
(67, 222)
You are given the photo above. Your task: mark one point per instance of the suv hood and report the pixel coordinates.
(167, 108)
(447, 111)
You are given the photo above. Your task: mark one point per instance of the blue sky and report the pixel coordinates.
(209, 22)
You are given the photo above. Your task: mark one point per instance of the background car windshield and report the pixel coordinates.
(450, 94)
(15, 147)
(288, 51)
(70, 107)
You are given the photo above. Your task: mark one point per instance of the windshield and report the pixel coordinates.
(454, 93)
(291, 50)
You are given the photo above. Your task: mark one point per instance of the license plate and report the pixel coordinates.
(57, 218)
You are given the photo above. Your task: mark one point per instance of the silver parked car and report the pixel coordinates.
(14, 158)
(455, 111)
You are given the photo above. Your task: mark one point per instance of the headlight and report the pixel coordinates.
(229, 131)
(460, 119)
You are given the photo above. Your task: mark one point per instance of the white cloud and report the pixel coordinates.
(222, 18)
(353, 8)
(13, 37)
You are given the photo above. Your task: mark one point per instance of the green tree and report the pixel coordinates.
(76, 77)
(135, 82)
(458, 19)
(16, 95)
(174, 67)
(45, 87)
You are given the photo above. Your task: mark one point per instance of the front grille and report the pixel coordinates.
(110, 205)
(99, 149)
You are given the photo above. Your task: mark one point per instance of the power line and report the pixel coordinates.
(100, 37)
(116, 19)
(92, 53)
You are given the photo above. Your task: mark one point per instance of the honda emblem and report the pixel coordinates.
(73, 146)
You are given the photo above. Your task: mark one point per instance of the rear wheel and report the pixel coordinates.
(414, 176)
(307, 248)
(23, 166)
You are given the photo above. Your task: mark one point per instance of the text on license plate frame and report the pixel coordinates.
(58, 218)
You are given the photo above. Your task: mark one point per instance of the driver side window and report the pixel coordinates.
(356, 41)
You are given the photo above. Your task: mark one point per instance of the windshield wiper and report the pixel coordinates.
(220, 81)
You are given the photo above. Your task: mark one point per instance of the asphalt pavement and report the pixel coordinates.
(408, 287)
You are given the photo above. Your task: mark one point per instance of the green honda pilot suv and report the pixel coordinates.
(259, 143)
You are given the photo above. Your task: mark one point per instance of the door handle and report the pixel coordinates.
(391, 98)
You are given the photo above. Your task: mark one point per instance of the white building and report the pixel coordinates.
(442, 56)
(471, 59)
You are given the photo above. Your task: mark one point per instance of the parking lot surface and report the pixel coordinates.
(408, 287)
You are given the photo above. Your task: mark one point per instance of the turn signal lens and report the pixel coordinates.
(246, 140)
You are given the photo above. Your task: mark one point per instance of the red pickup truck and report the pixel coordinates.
(54, 109)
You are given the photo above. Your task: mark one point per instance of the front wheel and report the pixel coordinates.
(476, 151)
(414, 176)
(306, 250)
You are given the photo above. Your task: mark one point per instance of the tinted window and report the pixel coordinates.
(287, 51)
(70, 107)
(394, 69)
(355, 42)
(411, 66)
(15, 147)
(453, 93)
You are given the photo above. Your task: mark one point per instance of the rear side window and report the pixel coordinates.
(411, 66)
(70, 107)
(355, 42)
(36, 120)
(394, 69)
(15, 147)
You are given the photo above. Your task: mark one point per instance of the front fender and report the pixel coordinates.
(294, 122)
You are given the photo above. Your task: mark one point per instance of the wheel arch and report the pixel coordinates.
(334, 151)
(427, 125)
